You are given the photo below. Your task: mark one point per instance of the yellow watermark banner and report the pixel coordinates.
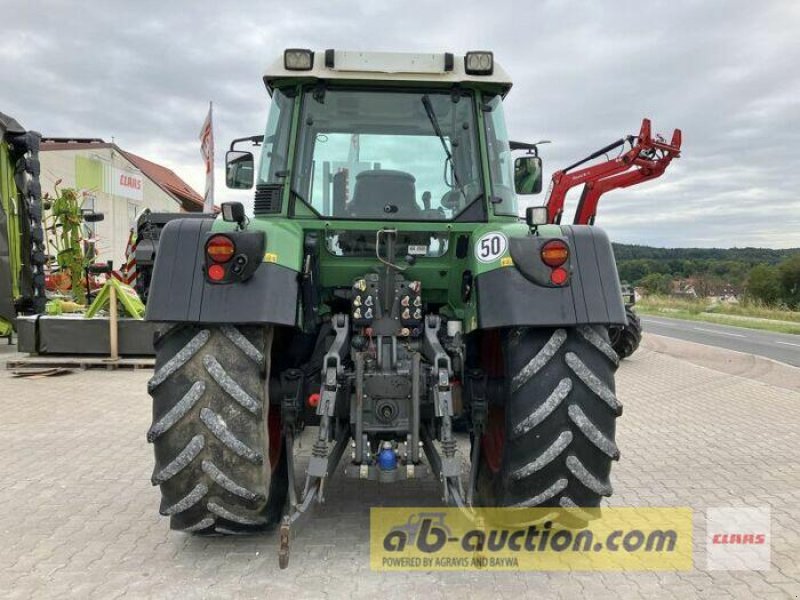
(530, 539)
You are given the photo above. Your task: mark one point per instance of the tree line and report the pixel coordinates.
(764, 274)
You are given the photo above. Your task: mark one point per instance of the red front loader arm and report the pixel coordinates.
(646, 159)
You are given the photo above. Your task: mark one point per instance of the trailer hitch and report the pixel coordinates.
(323, 461)
(313, 491)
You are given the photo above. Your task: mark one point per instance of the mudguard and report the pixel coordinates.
(511, 296)
(179, 291)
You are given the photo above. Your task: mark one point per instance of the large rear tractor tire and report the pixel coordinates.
(217, 467)
(626, 340)
(552, 443)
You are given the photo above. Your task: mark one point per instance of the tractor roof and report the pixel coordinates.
(400, 67)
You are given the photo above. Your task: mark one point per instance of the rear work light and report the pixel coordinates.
(220, 248)
(479, 63)
(555, 253)
(298, 59)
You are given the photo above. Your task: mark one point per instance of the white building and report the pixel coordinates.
(116, 183)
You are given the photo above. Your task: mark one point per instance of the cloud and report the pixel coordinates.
(585, 73)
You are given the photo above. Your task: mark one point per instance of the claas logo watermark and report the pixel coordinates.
(622, 539)
(738, 538)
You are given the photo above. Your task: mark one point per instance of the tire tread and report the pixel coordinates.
(209, 433)
(560, 415)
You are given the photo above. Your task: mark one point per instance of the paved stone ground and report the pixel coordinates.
(79, 517)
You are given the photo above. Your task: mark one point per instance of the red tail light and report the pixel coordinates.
(220, 249)
(555, 253)
(216, 272)
(559, 276)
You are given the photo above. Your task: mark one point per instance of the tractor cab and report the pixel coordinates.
(356, 136)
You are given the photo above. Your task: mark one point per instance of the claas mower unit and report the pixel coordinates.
(22, 238)
(384, 286)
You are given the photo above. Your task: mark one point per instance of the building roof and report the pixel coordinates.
(168, 181)
(163, 177)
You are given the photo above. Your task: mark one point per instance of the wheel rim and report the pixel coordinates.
(275, 441)
(493, 441)
(494, 438)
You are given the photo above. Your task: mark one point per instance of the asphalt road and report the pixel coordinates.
(782, 347)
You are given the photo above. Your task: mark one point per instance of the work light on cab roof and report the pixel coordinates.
(302, 59)
(371, 67)
(297, 59)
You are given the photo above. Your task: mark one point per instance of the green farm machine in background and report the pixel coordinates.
(46, 263)
(22, 250)
(66, 241)
(384, 286)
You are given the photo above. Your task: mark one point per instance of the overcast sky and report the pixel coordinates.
(585, 73)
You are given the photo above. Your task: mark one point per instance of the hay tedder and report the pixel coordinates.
(384, 286)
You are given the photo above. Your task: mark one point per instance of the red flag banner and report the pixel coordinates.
(207, 152)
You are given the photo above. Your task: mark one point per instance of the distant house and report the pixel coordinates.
(698, 287)
(119, 184)
(727, 293)
(684, 287)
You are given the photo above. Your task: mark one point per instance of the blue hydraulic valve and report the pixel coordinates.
(387, 457)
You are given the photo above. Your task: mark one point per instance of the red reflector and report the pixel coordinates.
(313, 400)
(555, 253)
(216, 272)
(559, 276)
(220, 248)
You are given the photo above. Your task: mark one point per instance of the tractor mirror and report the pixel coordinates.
(239, 170)
(528, 175)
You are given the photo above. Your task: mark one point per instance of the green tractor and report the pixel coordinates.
(384, 286)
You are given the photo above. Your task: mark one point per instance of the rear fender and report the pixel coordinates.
(519, 294)
(180, 291)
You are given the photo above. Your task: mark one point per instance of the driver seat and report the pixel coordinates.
(380, 188)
